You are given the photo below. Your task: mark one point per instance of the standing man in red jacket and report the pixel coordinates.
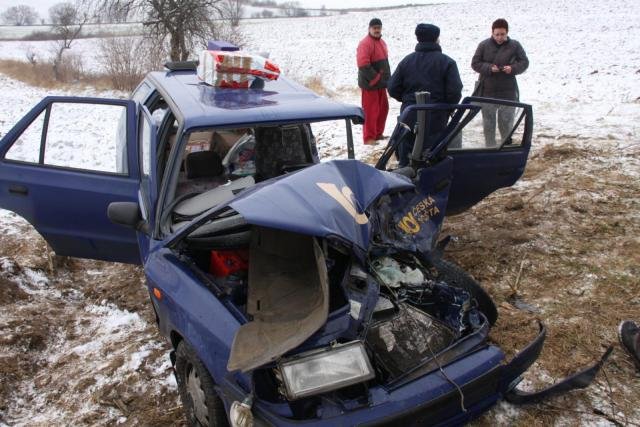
(373, 74)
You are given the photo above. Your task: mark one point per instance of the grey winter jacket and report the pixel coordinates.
(499, 85)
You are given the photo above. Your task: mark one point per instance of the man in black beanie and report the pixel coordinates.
(426, 69)
(373, 74)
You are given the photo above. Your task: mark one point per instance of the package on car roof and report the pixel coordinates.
(234, 69)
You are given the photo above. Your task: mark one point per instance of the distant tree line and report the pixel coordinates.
(19, 15)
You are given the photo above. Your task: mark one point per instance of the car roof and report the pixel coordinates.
(201, 105)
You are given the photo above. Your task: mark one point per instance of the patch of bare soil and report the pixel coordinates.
(78, 342)
(563, 247)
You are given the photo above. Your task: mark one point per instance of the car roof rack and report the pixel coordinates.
(181, 65)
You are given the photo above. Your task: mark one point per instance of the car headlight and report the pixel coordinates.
(331, 368)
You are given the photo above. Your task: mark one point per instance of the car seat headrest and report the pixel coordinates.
(203, 164)
(279, 146)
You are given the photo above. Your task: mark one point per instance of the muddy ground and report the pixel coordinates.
(78, 343)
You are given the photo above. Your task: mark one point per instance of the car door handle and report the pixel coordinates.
(19, 190)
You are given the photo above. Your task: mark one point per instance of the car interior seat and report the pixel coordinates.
(203, 170)
(208, 186)
(280, 149)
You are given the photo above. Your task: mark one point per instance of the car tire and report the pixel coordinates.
(455, 276)
(202, 405)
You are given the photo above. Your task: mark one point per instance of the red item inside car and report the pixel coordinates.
(224, 263)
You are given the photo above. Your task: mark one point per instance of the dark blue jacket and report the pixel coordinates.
(426, 69)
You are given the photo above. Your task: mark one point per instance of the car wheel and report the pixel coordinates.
(201, 403)
(455, 276)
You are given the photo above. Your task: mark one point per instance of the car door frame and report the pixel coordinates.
(51, 197)
(148, 191)
(476, 172)
(479, 172)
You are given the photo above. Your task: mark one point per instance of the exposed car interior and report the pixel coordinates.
(219, 164)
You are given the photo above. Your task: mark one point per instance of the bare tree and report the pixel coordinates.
(20, 15)
(187, 23)
(67, 20)
(293, 9)
(112, 15)
(126, 60)
(233, 10)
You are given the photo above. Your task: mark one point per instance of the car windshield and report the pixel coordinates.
(217, 164)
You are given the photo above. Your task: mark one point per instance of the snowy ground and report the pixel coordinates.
(89, 354)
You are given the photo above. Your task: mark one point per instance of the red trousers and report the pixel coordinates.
(376, 107)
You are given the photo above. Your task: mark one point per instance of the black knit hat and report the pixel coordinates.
(427, 33)
(375, 22)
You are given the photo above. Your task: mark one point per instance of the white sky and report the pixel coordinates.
(42, 6)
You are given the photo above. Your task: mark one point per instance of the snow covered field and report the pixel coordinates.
(109, 366)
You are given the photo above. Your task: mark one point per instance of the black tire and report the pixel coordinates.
(455, 276)
(202, 406)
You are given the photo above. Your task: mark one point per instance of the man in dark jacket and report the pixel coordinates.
(498, 59)
(426, 69)
(373, 74)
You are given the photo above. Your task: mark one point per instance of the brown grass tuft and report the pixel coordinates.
(41, 75)
(315, 84)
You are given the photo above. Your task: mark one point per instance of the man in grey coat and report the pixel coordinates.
(498, 60)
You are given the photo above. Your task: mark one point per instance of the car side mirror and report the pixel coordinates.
(127, 214)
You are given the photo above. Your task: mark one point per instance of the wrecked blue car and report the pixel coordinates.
(293, 291)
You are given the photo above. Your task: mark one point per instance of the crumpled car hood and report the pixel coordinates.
(326, 199)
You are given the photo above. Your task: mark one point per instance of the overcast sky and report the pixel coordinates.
(42, 6)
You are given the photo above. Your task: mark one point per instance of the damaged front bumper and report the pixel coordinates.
(454, 394)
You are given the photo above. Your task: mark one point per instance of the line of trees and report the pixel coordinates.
(19, 15)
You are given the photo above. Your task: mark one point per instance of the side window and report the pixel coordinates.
(27, 147)
(141, 92)
(145, 146)
(89, 137)
(84, 136)
(494, 127)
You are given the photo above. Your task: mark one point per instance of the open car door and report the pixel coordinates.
(488, 139)
(489, 152)
(61, 166)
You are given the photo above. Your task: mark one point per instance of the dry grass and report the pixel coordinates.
(575, 230)
(316, 84)
(42, 75)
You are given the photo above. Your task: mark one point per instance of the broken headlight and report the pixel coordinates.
(331, 368)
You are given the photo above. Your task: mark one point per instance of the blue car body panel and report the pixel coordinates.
(297, 202)
(189, 309)
(478, 173)
(68, 207)
(282, 101)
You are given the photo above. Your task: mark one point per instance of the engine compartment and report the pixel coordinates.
(410, 322)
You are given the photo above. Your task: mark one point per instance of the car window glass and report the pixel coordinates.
(87, 144)
(27, 147)
(121, 142)
(495, 126)
(140, 94)
(145, 146)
